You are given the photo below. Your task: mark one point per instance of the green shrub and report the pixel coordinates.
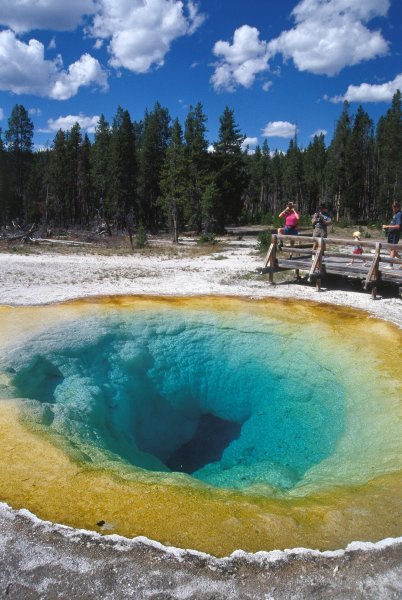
(377, 225)
(266, 219)
(305, 220)
(264, 241)
(277, 222)
(207, 238)
(141, 240)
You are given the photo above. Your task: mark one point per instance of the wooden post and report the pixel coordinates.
(321, 248)
(372, 275)
(272, 263)
(270, 259)
(317, 263)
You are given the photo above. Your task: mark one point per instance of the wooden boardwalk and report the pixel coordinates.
(333, 257)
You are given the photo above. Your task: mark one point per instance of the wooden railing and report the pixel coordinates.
(322, 258)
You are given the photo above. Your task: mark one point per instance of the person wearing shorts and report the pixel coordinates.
(291, 220)
(394, 230)
(320, 221)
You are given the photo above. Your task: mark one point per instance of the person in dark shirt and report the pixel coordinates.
(320, 221)
(394, 231)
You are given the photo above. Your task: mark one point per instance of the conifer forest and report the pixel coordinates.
(161, 175)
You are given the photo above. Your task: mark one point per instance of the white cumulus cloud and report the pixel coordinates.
(83, 72)
(87, 124)
(249, 142)
(366, 92)
(318, 132)
(281, 129)
(24, 70)
(141, 33)
(330, 35)
(26, 15)
(240, 61)
(1, 114)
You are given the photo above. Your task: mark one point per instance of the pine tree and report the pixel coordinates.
(5, 193)
(173, 181)
(153, 145)
(58, 208)
(209, 202)
(251, 205)
(19, 145)
(37, 188)
(360, 171)
(231, 174)
(196, 152)
(258, 197)
(266, 180)
(388, 154)
(73, 146)
(123, 169)
(100, 166)
(337, 161)
(277, 180)
(85, 183)
(293, 175)
(315, 159)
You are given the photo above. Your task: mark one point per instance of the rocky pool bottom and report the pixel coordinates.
(203, 423)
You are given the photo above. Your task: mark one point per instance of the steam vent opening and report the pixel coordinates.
(208, 423)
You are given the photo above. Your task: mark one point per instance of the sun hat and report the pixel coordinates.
(357, 234)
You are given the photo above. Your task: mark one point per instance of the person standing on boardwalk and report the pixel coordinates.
(394, 230)
(320, 221)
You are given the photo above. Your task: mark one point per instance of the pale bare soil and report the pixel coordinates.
(37, 274)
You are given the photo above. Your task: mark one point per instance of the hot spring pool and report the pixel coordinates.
(205, 423)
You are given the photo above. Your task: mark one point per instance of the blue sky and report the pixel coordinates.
(281, 65)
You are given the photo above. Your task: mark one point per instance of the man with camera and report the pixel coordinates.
(320, 221)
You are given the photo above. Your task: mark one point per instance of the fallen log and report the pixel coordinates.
(24, 235)
(65, 242)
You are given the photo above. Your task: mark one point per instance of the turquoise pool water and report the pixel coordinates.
(206, 423)
(235, 404)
